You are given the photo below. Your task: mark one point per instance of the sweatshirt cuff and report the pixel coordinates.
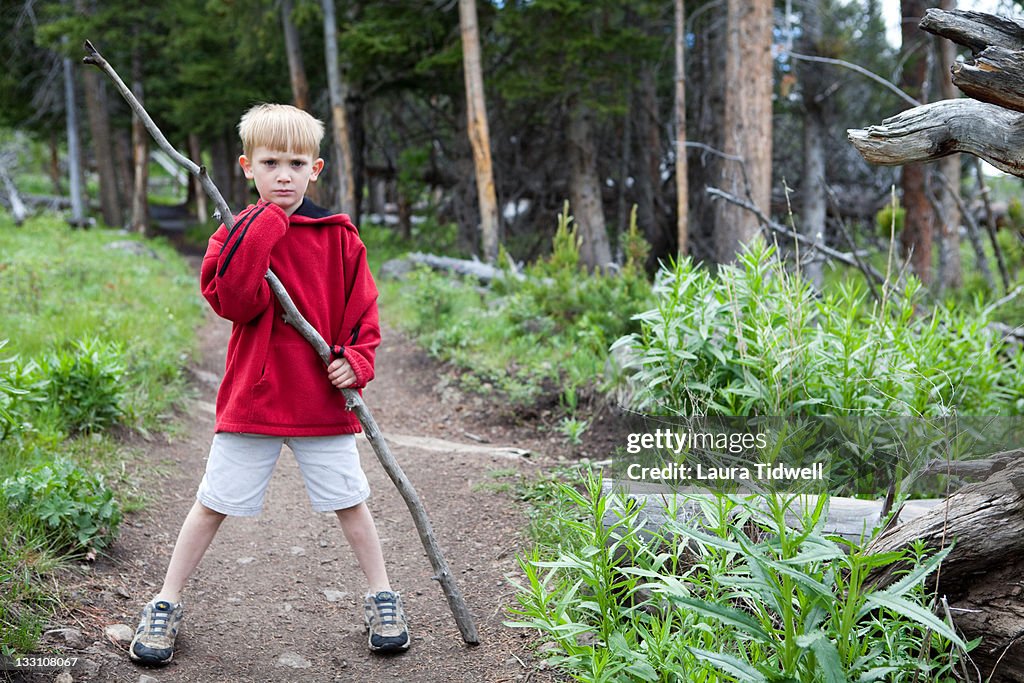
(360, 366)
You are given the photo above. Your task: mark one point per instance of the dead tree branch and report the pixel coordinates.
(802, 239)
(354, 401)
(889, 85)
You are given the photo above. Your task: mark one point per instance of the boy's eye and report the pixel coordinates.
(270, 162)
(298, 164)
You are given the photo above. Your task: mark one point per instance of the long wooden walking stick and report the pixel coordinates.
(354, 401)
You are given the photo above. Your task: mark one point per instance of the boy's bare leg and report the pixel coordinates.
(361, 533)
(197, 532)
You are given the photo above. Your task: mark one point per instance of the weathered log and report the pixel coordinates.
(463, 618)
(996, 76)
(484, 272)
(981, 577)
(851, 518)
(975, 30)
(935, 130)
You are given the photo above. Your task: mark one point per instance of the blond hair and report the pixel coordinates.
(280, 127)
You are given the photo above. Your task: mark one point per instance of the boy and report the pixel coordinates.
(275, 389)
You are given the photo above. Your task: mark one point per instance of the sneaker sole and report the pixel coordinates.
(135, 658)
(389, 648)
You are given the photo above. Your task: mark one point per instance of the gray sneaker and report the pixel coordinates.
(385, 621)
(154, 638)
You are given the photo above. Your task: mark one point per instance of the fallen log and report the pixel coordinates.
(484, 272)
(463, 618)
(851, 518)
(18, 210)
(982, 577)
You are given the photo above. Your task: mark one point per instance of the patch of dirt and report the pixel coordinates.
(278, 597)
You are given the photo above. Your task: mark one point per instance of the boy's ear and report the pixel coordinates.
(246, 165)
(318, 166)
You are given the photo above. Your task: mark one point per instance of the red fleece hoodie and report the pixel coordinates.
(274, 383)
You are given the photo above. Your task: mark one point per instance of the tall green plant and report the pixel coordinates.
(734, 592)
(754, 339)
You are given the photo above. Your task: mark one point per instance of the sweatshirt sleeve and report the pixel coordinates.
(361, 329)
(236, 261)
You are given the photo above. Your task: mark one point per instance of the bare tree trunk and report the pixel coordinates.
(647, 172)
(222, 163)
(103, 149)
(585, 189)
(747, 122)
(140, 157)
(338, 92)
(479, 136)
(125, 172)
(195, 151)
(53, 168)
(77, 185)
(296, 68)
(682, 187)
(950, 270)
(812, 187)
(296, 73)
(918, 225)
(705, 126)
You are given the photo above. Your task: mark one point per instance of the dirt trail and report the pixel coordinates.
(278, 597)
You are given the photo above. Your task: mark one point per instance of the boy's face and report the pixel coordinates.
(281, 177)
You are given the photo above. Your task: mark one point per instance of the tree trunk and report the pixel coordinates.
(682, 187)
(77, 185)
(338, 91)
(950, 271)
(647, 171)
(53, 167)
(747, 122)
(140, 157)
(704, 126)
(195, 151)
(296, 68)
(479, 136)
(813, 183)
(296, 74)
(918, 228)
(222, 163)
(585, 189)
(103, 149)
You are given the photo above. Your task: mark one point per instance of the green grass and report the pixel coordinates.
(106, 330)
(60, 286)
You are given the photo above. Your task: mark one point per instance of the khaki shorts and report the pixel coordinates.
(239, 468)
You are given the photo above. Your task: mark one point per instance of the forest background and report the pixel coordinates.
(652, 290)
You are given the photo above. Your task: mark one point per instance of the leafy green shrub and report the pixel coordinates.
(77, 509)
(85, 384)
(21, 390)
(523, 336)
(732, 594)
(755, 340)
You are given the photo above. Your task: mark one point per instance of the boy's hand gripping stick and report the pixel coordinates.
(354, 401)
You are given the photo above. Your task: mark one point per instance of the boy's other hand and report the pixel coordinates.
(341, 374)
